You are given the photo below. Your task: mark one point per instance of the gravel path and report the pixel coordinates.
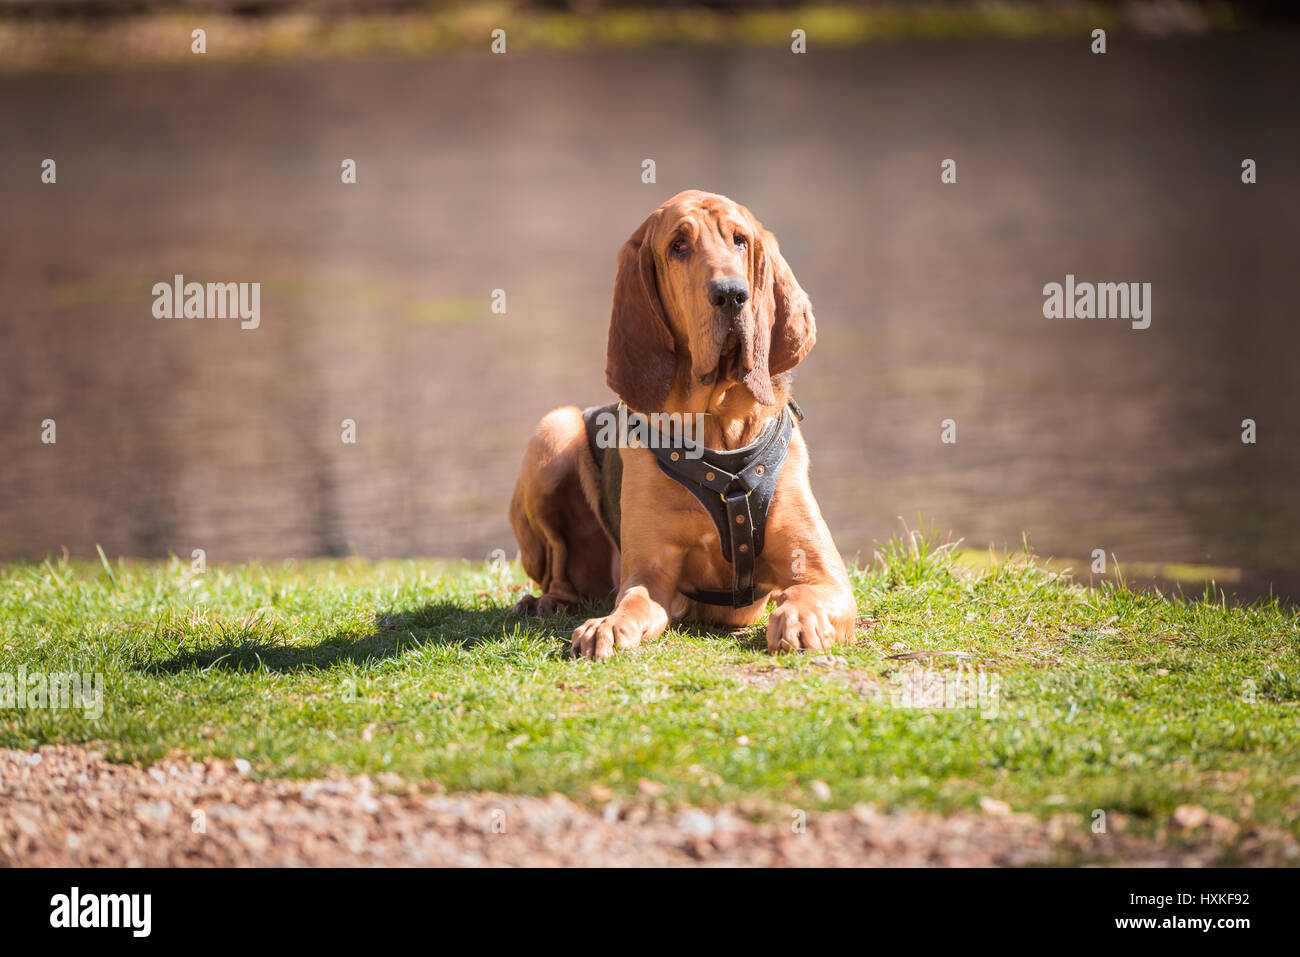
(68, 806)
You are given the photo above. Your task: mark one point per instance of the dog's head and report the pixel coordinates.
(701, 285)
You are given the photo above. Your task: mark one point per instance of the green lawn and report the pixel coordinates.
(1105, 698)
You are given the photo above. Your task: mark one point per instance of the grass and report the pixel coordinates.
(1106, 697)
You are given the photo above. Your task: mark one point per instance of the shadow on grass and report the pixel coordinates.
(393, 634)
(750, 637)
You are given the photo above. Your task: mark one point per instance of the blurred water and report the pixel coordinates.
(523, 173)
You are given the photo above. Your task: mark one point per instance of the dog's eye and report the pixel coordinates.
(679, 247)
(740, 241)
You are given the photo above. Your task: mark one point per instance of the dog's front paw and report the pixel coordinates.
(596, 638)
(801, 627)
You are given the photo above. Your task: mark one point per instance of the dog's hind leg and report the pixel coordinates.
(562, 543)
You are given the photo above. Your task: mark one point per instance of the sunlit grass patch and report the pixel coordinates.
(1105, 697)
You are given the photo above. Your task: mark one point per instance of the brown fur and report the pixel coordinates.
(671, 351)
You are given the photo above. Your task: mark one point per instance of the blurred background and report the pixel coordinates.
(523, 172)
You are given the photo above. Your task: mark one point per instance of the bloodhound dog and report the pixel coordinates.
(707, 323)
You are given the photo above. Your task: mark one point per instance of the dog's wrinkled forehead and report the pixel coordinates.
(695, 212)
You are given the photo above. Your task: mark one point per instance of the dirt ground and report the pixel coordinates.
(63, 806)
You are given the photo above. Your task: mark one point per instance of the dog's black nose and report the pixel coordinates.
(729, 294)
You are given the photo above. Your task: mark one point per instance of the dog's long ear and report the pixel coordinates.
(786, 328)
(640, 362)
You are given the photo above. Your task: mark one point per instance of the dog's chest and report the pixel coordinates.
(733, 489)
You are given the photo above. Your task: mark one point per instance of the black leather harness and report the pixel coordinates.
(735, 487)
